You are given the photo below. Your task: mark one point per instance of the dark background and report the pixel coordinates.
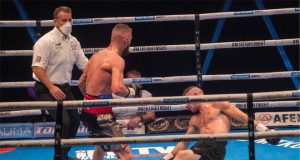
(224, 61)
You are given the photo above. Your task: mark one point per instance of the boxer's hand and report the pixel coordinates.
(57, 93)
(169, 156)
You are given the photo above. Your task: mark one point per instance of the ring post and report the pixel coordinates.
(197, 46)
(38, 29)
(39, 35)
(58, 131)
(251, 118)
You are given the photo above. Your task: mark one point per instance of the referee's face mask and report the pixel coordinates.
(63, 22)
(66, 28)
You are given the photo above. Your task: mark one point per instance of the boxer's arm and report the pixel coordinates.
(117, 85)
(232, 111)
(183, 145)
(54, 90)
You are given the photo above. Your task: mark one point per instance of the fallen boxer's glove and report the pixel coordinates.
(262, 128)
(273, 140)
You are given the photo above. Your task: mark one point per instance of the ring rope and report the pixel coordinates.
(161, 108)
(149, 139)
(180, 47)
(177, 79)
(152, 100)
(157, 18)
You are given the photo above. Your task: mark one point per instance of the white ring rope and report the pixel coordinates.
(157, 18)
(270, 104)
(20, 113)
(27, 105)
(161, 108)
(177, 79)
(150, 139)
(180, 47)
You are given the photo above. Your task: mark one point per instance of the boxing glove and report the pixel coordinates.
(262, 128)
(134, 91)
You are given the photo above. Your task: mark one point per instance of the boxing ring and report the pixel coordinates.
(150, 146)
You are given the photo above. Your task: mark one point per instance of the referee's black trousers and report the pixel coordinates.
(71, 120)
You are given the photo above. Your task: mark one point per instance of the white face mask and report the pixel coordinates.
(66, 28)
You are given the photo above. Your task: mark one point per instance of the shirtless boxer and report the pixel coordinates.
(210, 118)
(103, 77)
